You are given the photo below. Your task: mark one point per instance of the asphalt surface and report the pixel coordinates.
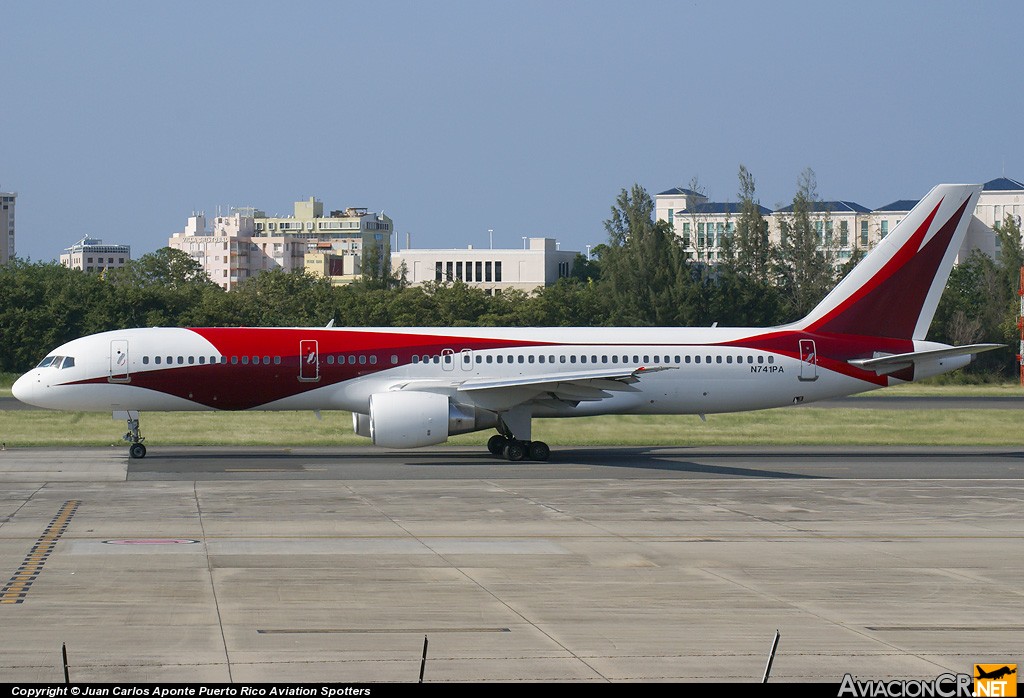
(325, 565)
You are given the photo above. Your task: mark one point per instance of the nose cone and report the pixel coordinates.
(22, 388)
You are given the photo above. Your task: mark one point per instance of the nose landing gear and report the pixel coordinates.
(136, 449)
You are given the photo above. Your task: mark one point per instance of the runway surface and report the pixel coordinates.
(630, 564)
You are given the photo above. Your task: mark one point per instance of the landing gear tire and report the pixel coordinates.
(515, 450)
(538, 450)
(496, 444)
(137, 450)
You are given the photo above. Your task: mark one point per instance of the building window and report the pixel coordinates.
(487, 271)
(479, 270)
(885, 229)
(438, 273)
(844, 234)
(497, 271)
(864, 233)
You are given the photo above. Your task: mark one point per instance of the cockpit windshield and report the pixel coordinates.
(57, 362)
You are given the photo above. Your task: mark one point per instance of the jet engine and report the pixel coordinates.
(410, 419)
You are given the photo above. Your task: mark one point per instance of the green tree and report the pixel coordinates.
(644, 269)
(805, 261)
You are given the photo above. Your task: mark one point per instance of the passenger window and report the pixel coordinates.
(572, 359)
(583, 359)
(760, 359)
(202, 360)
(479, 359)
(551, 359)
(530, 358)
(771, 359)
(728, 359)
(540, 358)
(223, 359)
(499, 358)
(330, 359)
(145, 359)
(593, 359)
(696, 359)
(687, 358)
(156, 359)
(718, 359)
(394, 359)
(362, 359)
(647, 359)
(373, 359)
(352, 358)
(415, 358)
(707, 359)
(561, 359)
(266, 360)
(181, 360)
(490, 359)
(750, 359)
(191, 360)
(234, 359)
(170, 360)
(245, 360)
(521, 358)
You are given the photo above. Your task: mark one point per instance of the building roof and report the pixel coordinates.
(712, 207)
(1004, 184)
(831, 207)
(899, 206)
(679, 191)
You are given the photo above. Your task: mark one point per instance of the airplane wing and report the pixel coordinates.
(889, 363)
(575, 386)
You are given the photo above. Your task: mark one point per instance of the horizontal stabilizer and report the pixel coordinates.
(889, 363)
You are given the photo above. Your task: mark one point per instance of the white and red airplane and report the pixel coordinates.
(411, 387)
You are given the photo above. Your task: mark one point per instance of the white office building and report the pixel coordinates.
(91, 255)
(538, 264)
(7, 201)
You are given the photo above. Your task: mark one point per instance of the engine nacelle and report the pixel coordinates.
(408, 419)
(361, 424)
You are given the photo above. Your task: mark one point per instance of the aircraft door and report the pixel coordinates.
(808, 360)
(119, 361)
(448, 359)
(309, 360)
(466, 359)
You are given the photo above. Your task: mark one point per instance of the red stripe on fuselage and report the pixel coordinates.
(238, 386)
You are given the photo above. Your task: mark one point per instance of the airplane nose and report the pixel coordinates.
(22, 388)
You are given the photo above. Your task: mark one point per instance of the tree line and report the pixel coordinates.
(642, 276)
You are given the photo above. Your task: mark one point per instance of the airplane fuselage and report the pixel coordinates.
(700, 370)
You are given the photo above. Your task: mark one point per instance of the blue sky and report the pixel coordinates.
(118, 119)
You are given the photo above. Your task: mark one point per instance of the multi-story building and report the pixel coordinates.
(837, 224)
(7, 201)
(229, 252)
(91, 254)
(247, 242)
(848, 225)
(539, 264)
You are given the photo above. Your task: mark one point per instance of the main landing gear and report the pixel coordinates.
(136, 449)
(515, 450)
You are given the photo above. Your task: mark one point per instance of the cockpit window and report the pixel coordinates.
(69, 361)
(46, 362)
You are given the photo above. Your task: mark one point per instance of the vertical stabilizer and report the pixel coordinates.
(894, 291)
